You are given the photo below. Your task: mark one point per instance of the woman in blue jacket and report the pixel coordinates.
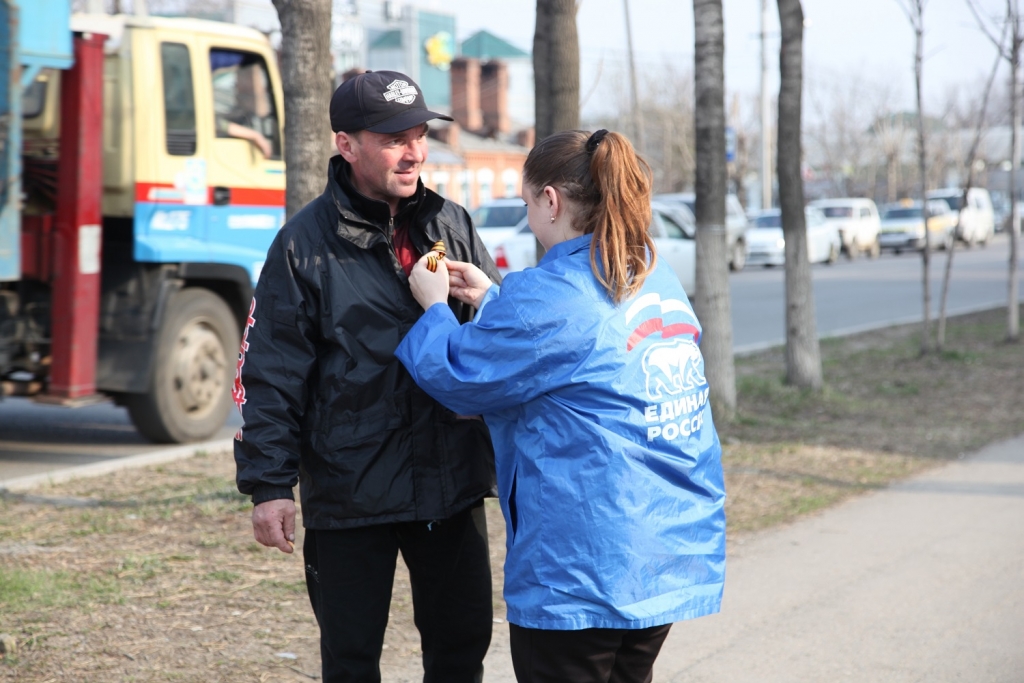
(587, 371)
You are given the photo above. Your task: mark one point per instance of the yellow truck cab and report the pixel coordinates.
(193, 194)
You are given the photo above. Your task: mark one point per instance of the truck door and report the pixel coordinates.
(245, 167)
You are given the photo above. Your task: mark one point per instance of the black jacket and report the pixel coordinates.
(323, 398)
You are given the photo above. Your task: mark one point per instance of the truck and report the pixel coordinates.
(142, 183)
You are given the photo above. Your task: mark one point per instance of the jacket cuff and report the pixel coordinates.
(265, 492)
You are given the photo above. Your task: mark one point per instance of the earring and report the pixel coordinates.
(552, 219)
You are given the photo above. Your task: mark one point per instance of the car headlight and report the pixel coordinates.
(780, 243)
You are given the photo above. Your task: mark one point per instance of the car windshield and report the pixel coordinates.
(903, 212)
(953, 200)
(837, 211)
(772, 220)
(498, 216)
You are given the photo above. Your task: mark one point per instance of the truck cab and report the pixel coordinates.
(193, 193)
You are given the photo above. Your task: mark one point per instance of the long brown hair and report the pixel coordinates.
(611, 187)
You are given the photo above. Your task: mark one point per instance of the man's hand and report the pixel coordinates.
(428, 287)
(273, 524)
(468, 283)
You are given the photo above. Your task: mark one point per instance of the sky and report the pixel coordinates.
(843, 39)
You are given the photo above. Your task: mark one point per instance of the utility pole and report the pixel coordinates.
(766, 115)
(638, 117)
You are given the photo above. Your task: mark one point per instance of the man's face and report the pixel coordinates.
(385, 166)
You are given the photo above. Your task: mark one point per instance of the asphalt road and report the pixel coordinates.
(865, 294)
(849, 296)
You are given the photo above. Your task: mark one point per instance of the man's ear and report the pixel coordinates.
(346, 144)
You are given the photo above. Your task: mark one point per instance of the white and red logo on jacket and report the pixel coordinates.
(673, 366)
(238, 390)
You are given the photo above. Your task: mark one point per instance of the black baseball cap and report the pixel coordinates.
(380, 102)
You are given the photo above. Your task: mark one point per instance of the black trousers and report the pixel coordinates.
(349, 575)
(593, 655)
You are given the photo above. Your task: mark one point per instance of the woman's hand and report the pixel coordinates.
(468, 283)
(429, 287)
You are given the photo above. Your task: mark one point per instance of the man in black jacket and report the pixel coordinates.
(383, 467)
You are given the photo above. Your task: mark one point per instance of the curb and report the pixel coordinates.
(757, 347)
(97, 469)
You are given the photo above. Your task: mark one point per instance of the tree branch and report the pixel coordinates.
(1000, 48)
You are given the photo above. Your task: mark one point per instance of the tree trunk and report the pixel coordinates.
(1013, 306)
(306, 78)
(712, 300)
(803, 355)
(917, 19)
(556, 68)
(556, 73)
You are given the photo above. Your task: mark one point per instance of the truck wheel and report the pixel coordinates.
(190, 385)
(739, 256)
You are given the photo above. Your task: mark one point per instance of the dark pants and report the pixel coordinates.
(349, 574)
(593, 655)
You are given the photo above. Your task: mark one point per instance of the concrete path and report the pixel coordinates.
(920, 582)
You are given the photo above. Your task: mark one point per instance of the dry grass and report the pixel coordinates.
(151, 575)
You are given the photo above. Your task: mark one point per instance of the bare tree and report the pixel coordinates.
(803, 355)
(305, 50)
(940, 335)
(914, 10)
(712, 297)
(1014, 28)
(890, 131)
(556, 68)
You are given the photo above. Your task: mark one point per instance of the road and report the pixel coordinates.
(865, 294)
(849, 296)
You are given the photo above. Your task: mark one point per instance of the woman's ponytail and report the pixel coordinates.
(611, 186)
(622, 242)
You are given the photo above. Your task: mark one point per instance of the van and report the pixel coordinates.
(977, 219)
(857, 221)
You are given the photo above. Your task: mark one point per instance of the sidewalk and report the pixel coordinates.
(920, 582)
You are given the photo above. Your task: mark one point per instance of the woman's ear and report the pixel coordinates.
(554, 199)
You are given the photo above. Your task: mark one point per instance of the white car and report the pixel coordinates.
(857, 221)
(673, 232)
(977, 220)
(766, 244)
(736, 223)
(903, 226)
(497, 220)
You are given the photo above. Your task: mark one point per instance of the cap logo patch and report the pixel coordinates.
(400, 91)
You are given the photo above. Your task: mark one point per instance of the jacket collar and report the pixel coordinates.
(366, 229)
(572, 246)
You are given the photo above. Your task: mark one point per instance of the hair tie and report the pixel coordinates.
(594, 140)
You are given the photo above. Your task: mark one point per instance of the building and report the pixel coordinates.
(485, 47)
(375, 34)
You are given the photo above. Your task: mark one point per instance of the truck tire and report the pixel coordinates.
(190, 385)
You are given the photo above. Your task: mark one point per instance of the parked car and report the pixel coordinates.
(903, 226)
(977, 221)
(673, 231)
(736, 223)
(497, 220)
(857, 221)
(766, 244)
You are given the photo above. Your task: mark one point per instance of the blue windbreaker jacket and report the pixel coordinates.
(609, 466)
